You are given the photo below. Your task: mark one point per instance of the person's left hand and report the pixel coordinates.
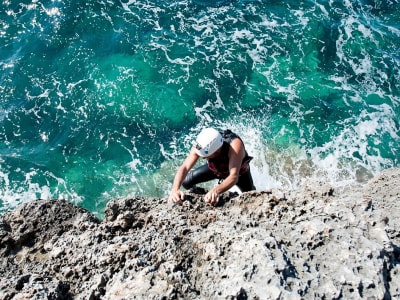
(211, 197)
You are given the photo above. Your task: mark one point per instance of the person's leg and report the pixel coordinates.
(245, 182)
(199, 175)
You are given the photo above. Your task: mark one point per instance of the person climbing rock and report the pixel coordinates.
(227, 160)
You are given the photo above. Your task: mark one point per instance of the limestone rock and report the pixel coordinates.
(312, 243)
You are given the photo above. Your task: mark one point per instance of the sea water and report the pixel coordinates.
(102, 99)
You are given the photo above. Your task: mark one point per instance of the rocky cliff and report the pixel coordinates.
(312, 243)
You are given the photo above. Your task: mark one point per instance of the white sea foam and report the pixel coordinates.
(53, 11)
(13, 194)
(338, 154)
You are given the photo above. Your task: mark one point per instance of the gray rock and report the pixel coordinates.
(312, 243)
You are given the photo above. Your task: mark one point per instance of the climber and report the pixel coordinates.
(227, 160)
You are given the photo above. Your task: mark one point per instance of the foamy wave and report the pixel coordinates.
(13, 194)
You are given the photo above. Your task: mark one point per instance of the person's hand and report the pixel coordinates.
(211, 197)
(176, 197)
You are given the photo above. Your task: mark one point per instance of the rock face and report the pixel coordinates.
(313, 243)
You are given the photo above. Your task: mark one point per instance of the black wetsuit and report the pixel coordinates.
(218, 168)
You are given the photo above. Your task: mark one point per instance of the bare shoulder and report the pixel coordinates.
(236, 146)
(237, 142)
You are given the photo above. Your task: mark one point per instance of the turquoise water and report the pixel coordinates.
(102, 99)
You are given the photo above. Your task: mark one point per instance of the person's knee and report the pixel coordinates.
(187, 182)
(245, 183)
(186, 185)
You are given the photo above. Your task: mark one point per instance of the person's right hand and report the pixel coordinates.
(176, 196)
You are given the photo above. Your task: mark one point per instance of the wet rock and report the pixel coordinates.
(313, 243)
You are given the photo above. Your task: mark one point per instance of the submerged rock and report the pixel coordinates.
(313, 243)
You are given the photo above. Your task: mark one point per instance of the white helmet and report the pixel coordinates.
(208, 142)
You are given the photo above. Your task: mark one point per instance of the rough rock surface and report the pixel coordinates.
(313, 243)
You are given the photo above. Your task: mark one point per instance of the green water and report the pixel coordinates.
(101, 100)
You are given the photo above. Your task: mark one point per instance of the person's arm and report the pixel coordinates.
(176, 195)
(236, 155)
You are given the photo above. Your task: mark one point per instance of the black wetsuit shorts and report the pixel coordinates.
(204, 174)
